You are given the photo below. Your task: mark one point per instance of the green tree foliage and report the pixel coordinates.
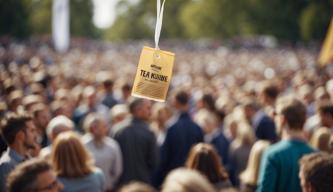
(13, 18)
(293, 20)
(277, 17)
(137, 21)
(81, 23)
(132, 23)
(315, 20)
(287, 20)
(40, 16)
(22, 18)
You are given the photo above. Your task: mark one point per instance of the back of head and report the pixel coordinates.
(204, 158)
(325, 107)
(58, 123)
(69, 156)
(293, 110)
(251, 103)
(117, 110)
(182, 97)
(320, 139)
(12, 124)
(92, 120)
(135, 104)
(186, 180)
(316, 172)
(24, 177)
(269, 89)
(137, 187)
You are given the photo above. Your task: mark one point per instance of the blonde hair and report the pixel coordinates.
(69, 156)
(186, 180)
(320, 139)
(245, 134)
(91, 120)
(250, 174)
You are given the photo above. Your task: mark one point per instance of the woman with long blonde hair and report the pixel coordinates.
(249, 176)
(74, 165)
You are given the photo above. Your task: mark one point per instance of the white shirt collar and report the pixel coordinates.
(208, 138)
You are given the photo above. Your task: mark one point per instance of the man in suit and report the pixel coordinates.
(138, 144)
(262, 124)
(180, 137)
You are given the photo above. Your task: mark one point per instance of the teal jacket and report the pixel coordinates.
(280, 166)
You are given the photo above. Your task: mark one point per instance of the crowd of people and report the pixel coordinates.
(245, 119)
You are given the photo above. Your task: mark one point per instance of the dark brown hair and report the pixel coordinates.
(317, 171)
(12, 124)
(293, 110)
(23, 177)
(204, 158)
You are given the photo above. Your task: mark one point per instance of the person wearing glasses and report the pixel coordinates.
(35, 175)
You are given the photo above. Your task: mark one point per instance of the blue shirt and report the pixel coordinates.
(92, 182)
(8, 161)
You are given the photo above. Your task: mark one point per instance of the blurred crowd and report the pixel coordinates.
(235, 119)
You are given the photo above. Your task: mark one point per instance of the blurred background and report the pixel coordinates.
(289, 21)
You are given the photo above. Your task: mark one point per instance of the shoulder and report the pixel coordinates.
(111, 142)
(98, 173)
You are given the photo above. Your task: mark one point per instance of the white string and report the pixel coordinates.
(159, 20)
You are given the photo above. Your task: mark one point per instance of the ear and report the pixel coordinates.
(19, 136)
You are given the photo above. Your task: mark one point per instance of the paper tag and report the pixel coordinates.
(153, 75)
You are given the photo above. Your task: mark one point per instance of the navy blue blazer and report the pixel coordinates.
(266, 129)
(180, 137)
(221, 144)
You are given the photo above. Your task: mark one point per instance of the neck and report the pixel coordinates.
(293, 134)
(98, 140)
(19, 148)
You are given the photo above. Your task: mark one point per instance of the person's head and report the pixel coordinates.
(137, 187)
(207, 121)
(205, 159)
(89, 94)
(95, 124)
(181, 100)
(316, 173)
(161, 113)
(19, 129)
(30, 100)
(61, 107)
(320, 139)
(58, 125)
(126, 90)
(186, 180)
(35, 175)
(268, 93)
(41, 116)
(245, 135)
(250, 174)
(250, 108)
(325, 110)
(141, 109)
(69, 156)
(206, 101)
(118, 113)
(290, 113)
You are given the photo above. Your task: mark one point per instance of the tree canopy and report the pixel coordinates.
(297, 20)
